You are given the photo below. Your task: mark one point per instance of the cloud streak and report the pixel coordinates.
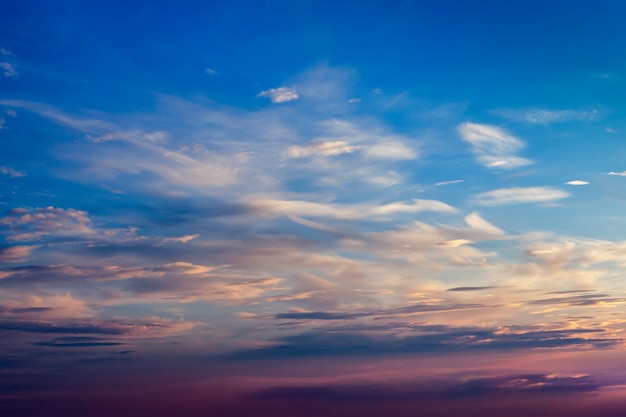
(544, 116)
(520, 195)
(492, 146)
(280, 94)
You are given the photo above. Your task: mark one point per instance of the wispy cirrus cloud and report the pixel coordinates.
(619, 174)
(345, 137)
(280, 94)
(520, 195)
(13, 173)
(439, 184)
(327, 148)
(343, 211)
(544, 116)
(492, 146)
(7, 65)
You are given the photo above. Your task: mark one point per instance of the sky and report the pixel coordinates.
(312, 208)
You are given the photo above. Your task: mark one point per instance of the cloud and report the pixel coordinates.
(431, 339)
(621, 174)
(542, 116)
(114, 327)
(479, 224)
(345, 211)
(280, 94)
(320, 148)
(525, 383)
(9, 69)
(492, 146)
(182, 239)
(470, 288)
(577, 182)
(580, 300)
(210, 71)
(520, 195)
(32, 224)
(439, 184)
(345, 137)
(578, 253)
(514, 394)
(78, 341)
(181, 281)
(68, 328)
(11, 172)
(171, 151)
(15, 253)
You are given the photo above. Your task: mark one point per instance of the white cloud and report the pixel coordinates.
(621, 174)
(365, 142)
(86, 125)
(520, 195)
(344, 211)
(493, 147)
(182, 239)
(392, 150)
(280, 94)
(577, 182)
(543, 116)
(210, 71)
(328, 148)
(581, 252)
(134, 136)
(11, 172)
(439, 184)
(479, 224)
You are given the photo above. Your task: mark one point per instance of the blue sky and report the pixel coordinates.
(362, 192)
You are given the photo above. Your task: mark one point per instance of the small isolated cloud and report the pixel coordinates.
(621, 174)
(520, 195)
(493, 147)
(439, 184)
(182, 239)
(210, 71)
(577, 182)
(11, 172)
(15, 253)
(280, 94)
(326, 148)
(543, 116)
(8, 69)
